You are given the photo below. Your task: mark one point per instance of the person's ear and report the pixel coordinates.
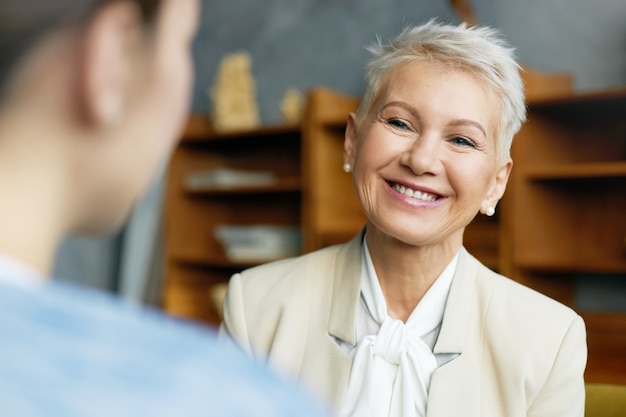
(496, 191)
(109, 46)
(350, 142)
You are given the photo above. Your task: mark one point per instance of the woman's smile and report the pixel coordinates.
(414, 193)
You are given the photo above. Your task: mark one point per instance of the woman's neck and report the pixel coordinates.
(407, 272)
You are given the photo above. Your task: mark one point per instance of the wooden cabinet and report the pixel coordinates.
(331, 211)
(565, 210)
(242, 178)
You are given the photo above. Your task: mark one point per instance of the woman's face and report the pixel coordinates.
(424, 158)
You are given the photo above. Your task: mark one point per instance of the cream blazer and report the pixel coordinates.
(520, 353)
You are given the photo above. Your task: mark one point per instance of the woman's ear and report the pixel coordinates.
(498, 187)
(350, 141)
(109, 46)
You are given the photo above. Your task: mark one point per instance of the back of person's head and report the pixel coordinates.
(478, 50)
(25, 22)
(108, 83)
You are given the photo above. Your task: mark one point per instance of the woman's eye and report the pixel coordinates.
(398, 124)
(461, 141)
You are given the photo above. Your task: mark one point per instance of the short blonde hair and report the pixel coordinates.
(479, 50)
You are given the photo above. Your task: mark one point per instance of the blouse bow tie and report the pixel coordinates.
(405, 362)
(391, 369)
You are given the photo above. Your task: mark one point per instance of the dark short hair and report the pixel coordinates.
(25, 22)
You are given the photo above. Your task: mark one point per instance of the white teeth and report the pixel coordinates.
(414, 194)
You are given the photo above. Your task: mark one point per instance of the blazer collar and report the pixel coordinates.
(457, 318)
(460, 375)
(346, 291)
(458, 310)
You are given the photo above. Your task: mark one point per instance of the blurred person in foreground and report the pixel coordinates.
(402, 320)
(94, 95)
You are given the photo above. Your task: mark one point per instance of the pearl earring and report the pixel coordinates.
(490, 211)
(347, 167)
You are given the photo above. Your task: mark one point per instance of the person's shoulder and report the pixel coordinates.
(72, 347)
(521, 296)
(525, 310)
(62, 313)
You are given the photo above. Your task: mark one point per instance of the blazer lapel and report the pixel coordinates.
(459, 307)
(346, 287)
(458, 378)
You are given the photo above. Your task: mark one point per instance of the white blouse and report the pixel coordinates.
(394, 361)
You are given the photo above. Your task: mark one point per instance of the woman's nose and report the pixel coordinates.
(423, 155)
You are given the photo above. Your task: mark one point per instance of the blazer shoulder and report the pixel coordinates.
(496, 290)
(521, 297)
(531, 315)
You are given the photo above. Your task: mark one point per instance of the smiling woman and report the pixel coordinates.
(402, 320)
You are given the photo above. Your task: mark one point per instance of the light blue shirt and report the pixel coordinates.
(68, 351)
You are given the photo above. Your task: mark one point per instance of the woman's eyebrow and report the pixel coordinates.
(471, 123)
(404, 105)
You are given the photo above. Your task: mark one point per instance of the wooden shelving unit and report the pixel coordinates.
(331, 212)
(196, 261)
(565, 210)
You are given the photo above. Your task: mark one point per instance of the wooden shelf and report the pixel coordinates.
(541, 265)
(330, 209)
(606, 335)
(565, 208)
(220, 263)
(481, 239)
(199, 129)
(577, 171)
(568, 100)
(269, 160)
(282, 185)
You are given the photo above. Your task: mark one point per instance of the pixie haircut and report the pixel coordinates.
(478, 50)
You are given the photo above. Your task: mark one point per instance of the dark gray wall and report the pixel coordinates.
(300, 43)
(587, 38)
(303, 43)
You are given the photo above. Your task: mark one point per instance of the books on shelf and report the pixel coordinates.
(258, 243)
(225, 178)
